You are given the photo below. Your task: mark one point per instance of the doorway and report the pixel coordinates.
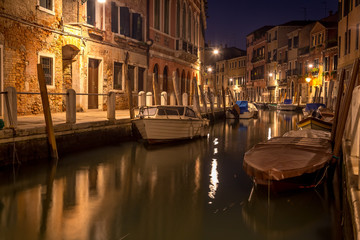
(93, 83)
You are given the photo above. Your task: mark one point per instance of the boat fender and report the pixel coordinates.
(191, 131)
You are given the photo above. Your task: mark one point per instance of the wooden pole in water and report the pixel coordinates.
(223, 97)
(176, 89)
(345, 109)
(203, 99)
(337, 106)
(154, 85)
(210, 95)
(128, 86)
(235, 106)
(196, 96)
(47, 113)
(329, 97)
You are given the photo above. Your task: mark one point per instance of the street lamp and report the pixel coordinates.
(216, 51)
(310, 65)
(209, 69)
(270, 74)
(308, 79)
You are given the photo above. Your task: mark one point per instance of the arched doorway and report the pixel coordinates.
(182, 84)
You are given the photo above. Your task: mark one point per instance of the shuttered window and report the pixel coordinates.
(90, 10)
(118, 76)
(125, 21)
(137, 27)
(114, 18)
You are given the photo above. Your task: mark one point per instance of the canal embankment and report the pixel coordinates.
(28, 141)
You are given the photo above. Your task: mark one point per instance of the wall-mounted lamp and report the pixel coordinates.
(308, 79)
(209, 69)
(216, 51)
(270, 74)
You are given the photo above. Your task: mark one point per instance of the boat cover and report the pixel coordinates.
(287, 101)
(309, 133)
(286, 157)
(313, 106)
(243, 105)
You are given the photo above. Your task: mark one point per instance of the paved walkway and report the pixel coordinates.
(34, 121)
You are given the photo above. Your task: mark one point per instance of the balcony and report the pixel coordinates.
(257, 58)
(304, 50)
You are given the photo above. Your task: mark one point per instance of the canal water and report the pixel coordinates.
(189, 190)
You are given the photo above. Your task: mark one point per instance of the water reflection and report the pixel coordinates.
(129, 191)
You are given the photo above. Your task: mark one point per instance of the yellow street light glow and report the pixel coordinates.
(310, 65)
(231, 79)
(308, 79)
(216, 51)
(209, 69)
(270, 74)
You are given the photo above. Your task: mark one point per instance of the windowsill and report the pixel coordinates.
(51, 12)
(127, 38)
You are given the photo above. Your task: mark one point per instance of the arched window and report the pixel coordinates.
(183, 84)
(165, 79)
(178, 9)
(156, 72)
(167, 16)
(157, 14)
(184, 22)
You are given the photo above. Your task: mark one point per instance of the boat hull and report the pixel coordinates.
(162, 130)
(314, 123)
(245, 115)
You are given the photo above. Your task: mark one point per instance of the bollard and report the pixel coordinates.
(172, 99)
(70, 106)
(141, 99)
(185, 100)
(149, 99)
(111, 106)
(10, 107)
(164, 98)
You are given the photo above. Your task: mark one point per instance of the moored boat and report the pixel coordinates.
(314, 123)
(287, 106)
(247, 110)
(288, 163)
(168, 123)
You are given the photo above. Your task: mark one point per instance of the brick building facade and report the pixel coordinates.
(83, 44)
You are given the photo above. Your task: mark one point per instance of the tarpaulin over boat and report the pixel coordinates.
(287, 101)
(243, 105)
(286, 157)
(313, 106)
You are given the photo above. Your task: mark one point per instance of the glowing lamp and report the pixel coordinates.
(209, 69)
(270, 74)
(308, 79)
(101, 1)
(216, 51)
(310, 65)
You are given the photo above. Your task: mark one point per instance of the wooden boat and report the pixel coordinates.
(168, 123)
(288, 163)
(247, 110)
(315, 123)
(287, 106)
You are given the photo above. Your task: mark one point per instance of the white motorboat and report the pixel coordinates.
(169, 123)
(287, 106)
(247, 110)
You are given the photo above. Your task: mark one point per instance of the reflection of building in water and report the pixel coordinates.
(137, 189)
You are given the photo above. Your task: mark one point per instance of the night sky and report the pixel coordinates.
(230, 21)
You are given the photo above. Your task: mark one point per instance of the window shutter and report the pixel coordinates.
(125, 21)
(137, 27)
(90, 5)
(114, 18)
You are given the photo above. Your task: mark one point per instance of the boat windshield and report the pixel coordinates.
(148, 111)
(177, 111)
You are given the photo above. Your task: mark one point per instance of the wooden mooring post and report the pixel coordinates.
(128, 86)
(345, 110)
(337, 105)
(203, 99)
(47, 113)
